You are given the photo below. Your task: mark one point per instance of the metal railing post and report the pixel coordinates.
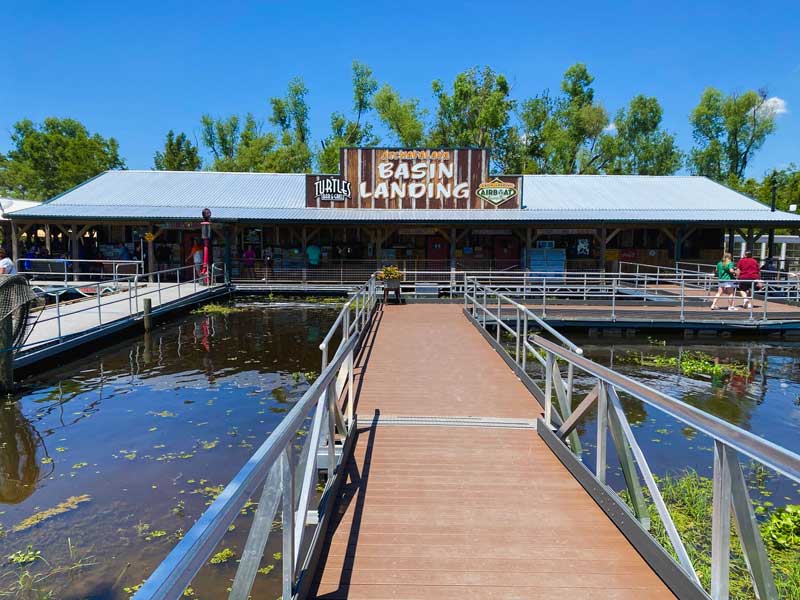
(766, 300)
(524, 339)
(159, 287)
(497, 320)
(58, 314)
(516, 360)
(548, 388)
(287, 521)
(683, 298)
(613, 299)
(602, 431)
(544, 298)
(720, 525)
(99, 306)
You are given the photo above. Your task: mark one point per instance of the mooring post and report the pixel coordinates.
(148, 319)
(6, 357)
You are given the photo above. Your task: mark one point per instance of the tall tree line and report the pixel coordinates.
(566, 131)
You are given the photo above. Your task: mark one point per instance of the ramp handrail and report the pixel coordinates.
(730, 493)
(276, 471)
(137, 286)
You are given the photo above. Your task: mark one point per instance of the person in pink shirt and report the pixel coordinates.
(748, 273)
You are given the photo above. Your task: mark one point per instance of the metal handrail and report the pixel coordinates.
(730, 493)
(273, 466)
(767, 453)
(101, 288)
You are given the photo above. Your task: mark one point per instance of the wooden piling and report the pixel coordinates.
(146, 312)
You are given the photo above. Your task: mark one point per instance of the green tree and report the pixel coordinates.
(641, 147)
(244, 145)
(238, 147)
(403, 118)
(476, 113)
(53, 157)
(787, 187)
(346, 132)
(728, 131)
(179, 154)
(290, 114)
(565, 133)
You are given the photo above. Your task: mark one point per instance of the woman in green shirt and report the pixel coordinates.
(726, 273)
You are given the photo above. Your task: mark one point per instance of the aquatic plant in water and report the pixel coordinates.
(222, 556)
(69, 504)
(689, 500)
(216, 309)
(689, 363)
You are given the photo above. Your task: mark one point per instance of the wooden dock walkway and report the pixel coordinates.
(450, 492)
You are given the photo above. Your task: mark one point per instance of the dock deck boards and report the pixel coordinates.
(443, 511)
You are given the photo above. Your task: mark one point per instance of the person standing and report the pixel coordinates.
(196, 257)
(749, 273)
(6, 264)
(726, 272)
(249, 263)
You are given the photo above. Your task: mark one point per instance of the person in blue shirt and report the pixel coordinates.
(313, 253)
(123, 252)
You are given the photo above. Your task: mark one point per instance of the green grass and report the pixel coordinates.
(689, 499)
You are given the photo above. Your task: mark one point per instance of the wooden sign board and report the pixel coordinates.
(413, 179)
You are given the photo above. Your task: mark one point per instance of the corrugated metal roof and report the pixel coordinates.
(196, 189)
(10, 205)
(226, 213)
(165, 195)
(634, 192)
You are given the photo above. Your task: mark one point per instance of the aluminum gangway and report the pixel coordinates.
(446, 438)
(69, 315)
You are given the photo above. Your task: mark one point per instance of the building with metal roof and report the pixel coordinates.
(434, 205)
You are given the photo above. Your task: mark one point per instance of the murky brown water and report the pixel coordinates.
(146, 430)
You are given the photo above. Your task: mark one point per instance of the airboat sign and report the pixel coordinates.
(497, 192)
(429, 179)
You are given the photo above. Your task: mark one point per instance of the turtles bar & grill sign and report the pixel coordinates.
(413, 179)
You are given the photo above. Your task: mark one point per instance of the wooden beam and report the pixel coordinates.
(668, 233)
(613, 234)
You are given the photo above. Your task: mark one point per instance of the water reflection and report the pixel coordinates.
(19, 469)
(152, 423)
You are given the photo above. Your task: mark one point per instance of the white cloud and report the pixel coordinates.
(611, 128)
(774, 106)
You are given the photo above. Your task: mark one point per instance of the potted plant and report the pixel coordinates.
(390, 276)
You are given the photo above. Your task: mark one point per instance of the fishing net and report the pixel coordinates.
(16, 297)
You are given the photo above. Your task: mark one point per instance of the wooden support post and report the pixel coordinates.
(452, 248)
(528, 247)
(147, 304)
(47, 241)
(73, 240)
(6, 356)
(679, 236)
(151, 255)
(603, 243)
(14, 242)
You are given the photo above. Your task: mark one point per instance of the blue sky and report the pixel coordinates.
(137, 69)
